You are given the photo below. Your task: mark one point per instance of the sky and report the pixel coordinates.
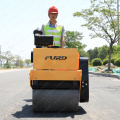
(18, 19)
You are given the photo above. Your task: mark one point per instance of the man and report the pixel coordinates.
(53, 28)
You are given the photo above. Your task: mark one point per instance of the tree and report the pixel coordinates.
(72, 40)
(118, 47)
(103, 52)
(93, 53)
(101, 19)
(27, 61)
(21, 63)
(8, 58)
(18, 61)
(114, 48)
(90, 53)
(83, 53)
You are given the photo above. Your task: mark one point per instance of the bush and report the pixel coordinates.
(113, 60)
(97, 62)
(105, 61)
(117, 62)
(7, 66)
(89, 63)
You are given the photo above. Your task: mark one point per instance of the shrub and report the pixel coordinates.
(97, 62)
(105, 61)
(7, 66)
(89, 63)
(113, 60)
(117, 62)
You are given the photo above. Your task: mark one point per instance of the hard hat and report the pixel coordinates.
(53, 9)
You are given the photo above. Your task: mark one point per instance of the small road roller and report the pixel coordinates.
(59, 78)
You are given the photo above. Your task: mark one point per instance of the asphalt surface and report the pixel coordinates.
(16, 99)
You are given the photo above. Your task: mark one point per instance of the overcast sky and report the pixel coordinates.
(18, 19)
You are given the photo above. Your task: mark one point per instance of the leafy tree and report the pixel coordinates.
(7, 57)
(103, 52)
(18, 61)
(21, 63)
(27, 61)
(83, 53)
(114, 48)
(118, 47)
(72, 40)
(90, 53)
(93, 53)
(101, 19)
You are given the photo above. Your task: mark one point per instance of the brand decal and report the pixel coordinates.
(56, 57)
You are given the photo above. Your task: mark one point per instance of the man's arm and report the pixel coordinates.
(63, 38)
(62, 42)
(42, 29)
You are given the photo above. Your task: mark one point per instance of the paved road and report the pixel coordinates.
(16, 102)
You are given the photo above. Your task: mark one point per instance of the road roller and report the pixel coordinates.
(59, 78)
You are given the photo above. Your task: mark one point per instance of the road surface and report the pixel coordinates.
(16, 99)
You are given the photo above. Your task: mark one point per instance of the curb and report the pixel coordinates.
(106, 74)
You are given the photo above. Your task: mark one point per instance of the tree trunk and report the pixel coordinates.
(7, 61)
(110, 51)
(1, 63)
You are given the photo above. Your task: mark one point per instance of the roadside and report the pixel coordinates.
(102, 70)
(11, 70)
(95, 73)
(105, 74)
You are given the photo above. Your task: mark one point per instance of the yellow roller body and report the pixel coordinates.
(55, 58)
(58, 64)
(55, 75)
